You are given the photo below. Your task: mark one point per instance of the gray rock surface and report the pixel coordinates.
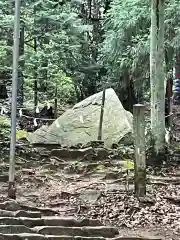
(80, 124)
(90, 195)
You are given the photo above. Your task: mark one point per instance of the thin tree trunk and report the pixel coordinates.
(157, 75)
(35, 73)
(177, 66)
(153, 49)
(160, 79)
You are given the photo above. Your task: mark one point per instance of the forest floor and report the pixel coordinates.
(100, 191)
(57, 185)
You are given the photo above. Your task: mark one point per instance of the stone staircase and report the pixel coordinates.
(17, 224)
(24, 222)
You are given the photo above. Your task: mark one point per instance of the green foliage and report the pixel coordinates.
(129, 164)
(126, 45)
(21, 134)
(126, 38)
(54, 36)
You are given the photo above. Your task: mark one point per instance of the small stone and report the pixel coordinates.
(94, 144)
(90, 222)
(90, 195)
(101, 153)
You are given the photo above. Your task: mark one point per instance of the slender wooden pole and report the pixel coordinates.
(139, 145)
(101, 115)
(11, 188)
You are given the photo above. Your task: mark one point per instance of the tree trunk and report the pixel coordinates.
(160, 79)
(153, 49)
(157, 75)
(177, 66)
(131, 92)
(35, 72)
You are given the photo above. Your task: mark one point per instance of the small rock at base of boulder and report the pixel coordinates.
(127, 139)
(101, 153)
(94, 144)
(71, 153)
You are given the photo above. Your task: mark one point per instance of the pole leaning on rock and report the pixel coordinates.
(139, 145)
(99, 138)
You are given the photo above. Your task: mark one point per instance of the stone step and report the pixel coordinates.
(48, 221)
(138, 238)
(107, 232)
(70, 222)
(23, 236)
(10, 205)
(102, 231)
(13, 229)
(14, 206)
(20, 213)
(29, 236)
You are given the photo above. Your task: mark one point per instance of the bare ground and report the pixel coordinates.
(110, 201)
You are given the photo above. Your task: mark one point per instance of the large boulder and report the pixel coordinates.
(80, 124)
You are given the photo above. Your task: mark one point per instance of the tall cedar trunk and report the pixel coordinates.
(153, 49)
(35, 73)
(157, 75)
(20, 92)
(177, 66)
(160, 79)
(130, 98)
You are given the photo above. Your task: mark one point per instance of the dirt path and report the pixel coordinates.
(95, 195)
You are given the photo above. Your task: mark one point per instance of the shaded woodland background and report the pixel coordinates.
(73, 48)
